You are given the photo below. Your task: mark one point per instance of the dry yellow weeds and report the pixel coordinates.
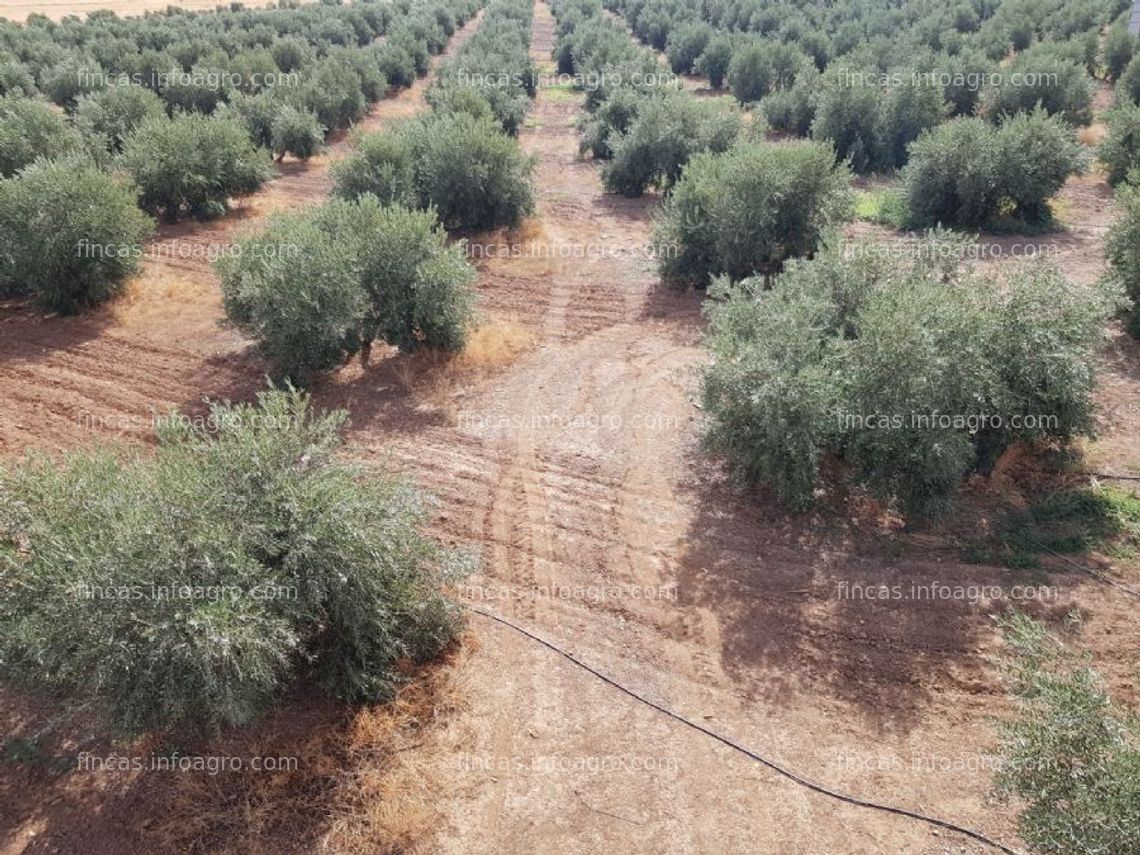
(358, 788)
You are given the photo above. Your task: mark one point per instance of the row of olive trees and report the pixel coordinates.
(966, 172)
(823, 351)
(85, 172)
(760, 48)
(375, 264)
(196, 583)
(492, 74)
(906, 366)
(200, 61)
(304, 90)
(640, 121)
(902, 370)
(460, 159)
(873, 91)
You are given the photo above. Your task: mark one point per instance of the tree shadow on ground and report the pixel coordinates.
(28, 334)
(73, 790)
(395, 393)
(834, 603)
(303, 777)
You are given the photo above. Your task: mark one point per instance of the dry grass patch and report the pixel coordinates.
(492, 345)
(362, 783)
(1093, 135)
(438, 379)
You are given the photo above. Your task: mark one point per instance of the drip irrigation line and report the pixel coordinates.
(759, 758)
(1096, 574)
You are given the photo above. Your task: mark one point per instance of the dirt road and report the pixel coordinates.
(576, 473)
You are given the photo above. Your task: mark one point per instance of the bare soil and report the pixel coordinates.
(576, 472)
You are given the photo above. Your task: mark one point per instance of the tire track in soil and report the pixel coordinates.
(557, 502)
(582, 506)
(86, 379)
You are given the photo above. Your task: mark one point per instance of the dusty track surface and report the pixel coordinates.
(576, 472)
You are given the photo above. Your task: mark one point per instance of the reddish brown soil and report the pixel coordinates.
(578, 466)
(89, 378)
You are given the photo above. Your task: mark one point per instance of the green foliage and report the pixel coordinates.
(897, 369)
(1119, 48)
(419, 289)
(10, 216)
(642, 75)
(343, 275)
(290, 53)
(749, 210)
(847, 116)
(750, 73)
(297, 133)
(383, 165)
(715, 60)
(65, 82)
(192, 164)
(612, 119)
(872, 127)
(965, 78)
(1037, 154)
(455, 98)
(792, 110)
(771, 391)
(951, 177)
(1123, 250)
(1128, 86)
(1120, 150)
(665, 134)
(907, 112)
(15, 79)
(966, 172)
(277, 561)
(332, 91)
(396, 64)
(1058, 85)
(29, 128)
(464, 167)
(495, 63)
(201, 89)
(373, 85)
(471, 173)
(413, 46)
(302, 302)
(113, 113)
(1070, 754)
(256, 113)
(73, 234)
(685, 45)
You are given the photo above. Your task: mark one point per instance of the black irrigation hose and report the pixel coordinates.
(1096, 574)
(775, 767)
